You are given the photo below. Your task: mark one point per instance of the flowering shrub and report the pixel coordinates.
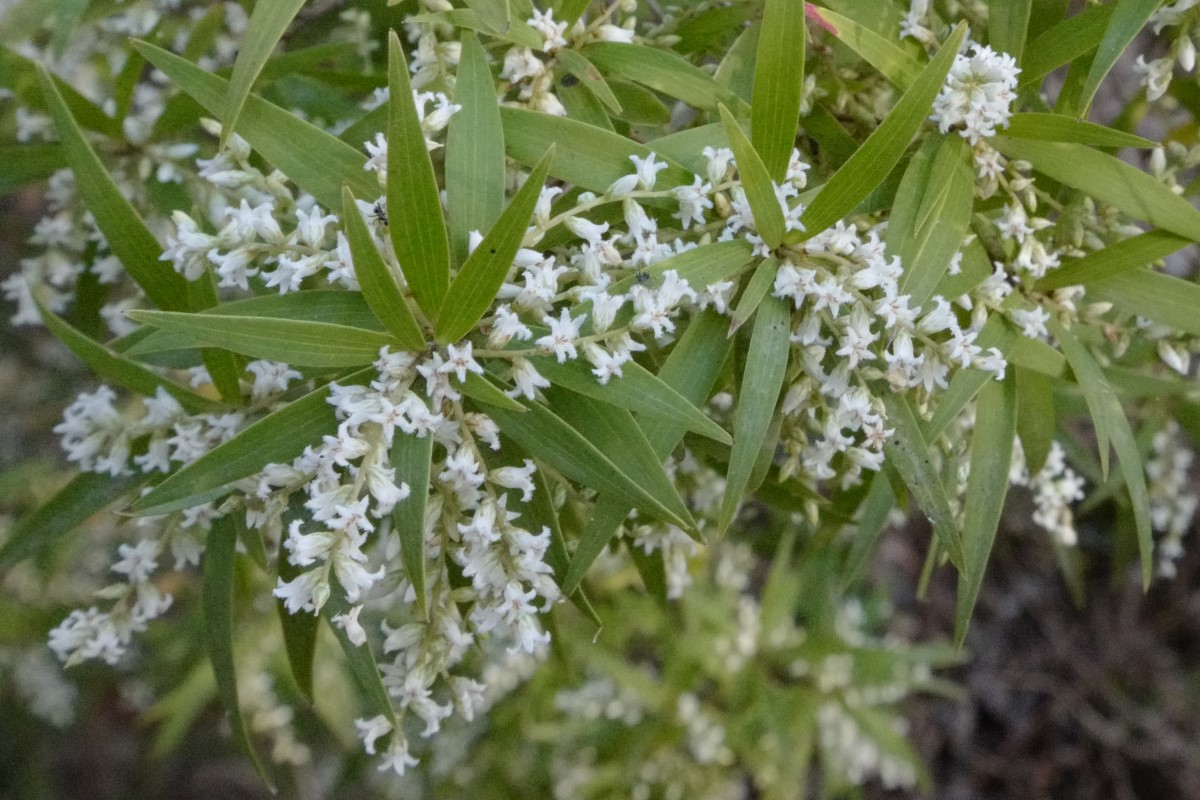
(467, 331)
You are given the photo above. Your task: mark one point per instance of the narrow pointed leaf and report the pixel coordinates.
(1128, 18)
(909, 453)
(752, 296)
(1035, 416)
(1071, 38)
(870, 522)
(884, 148)
(275, 439)
(475, 287)
(987, 487)
(295, 342)
(492, 13)
(84, 496)
(577, 64)
(225, 369)
(1165, 299)
(700, 266)
(379, 286)
(766, 364)
(474, 150)
(122, 371)
(1111, 426)
(736, 70)
(317, 161)
(778, 85)
(219, 558)
(267, 24)
(1061, 128)
(638, 390)
(760, 192)
(411, 458)
(414, 207)
(125, 232)
(1124, 256)
(892, 61)
(1008, 21)
(299, 634)
(547, 437)
(540, 513)
(480, 389)
(1109, 180)
(664, 72)
(22, 164)
(608, 513)
(360, 659)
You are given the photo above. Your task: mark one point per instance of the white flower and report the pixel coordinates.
(647, 170)
(527, 380)
(460, 362)
(516, 478)
(350, 624)
(563, 333)
(978, 94)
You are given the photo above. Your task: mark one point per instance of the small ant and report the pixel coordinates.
(641, 276)
(379, 213)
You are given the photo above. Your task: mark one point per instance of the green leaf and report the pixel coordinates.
(1124, 256)
(1165, 299)
(318, 162)
(482, 390)
(760, 191)
(359, 658)
(930, 217)
(299, 634)
(1008, 20)
(474, 150)
(414, 206)
(1109, 180)
(411, 457)
(639, 390)
(664, 72)
(987, 487)
(592, 460)
(126, 234)
(518, 33)
(1068, 40)
(752, 296)
(475, 287)
(225, 369)
(267, 24)
(884, 148)
(778, 84)
(736, 70)
(492, 13)
(295, 342)
(766, 365)
(84, 496)
(892, 61)
(1108, 419)
(219, 558)
(1062, 128)
(577, 64)
(870, 522)
(908, 451)
(639, 105)
(1035, 416)
(275, 439)
(87, 114)
(1128, 18)
(586, 156)
(378, 284)
(22, 164)
(700, 266)
(691, 369)
(122, 371)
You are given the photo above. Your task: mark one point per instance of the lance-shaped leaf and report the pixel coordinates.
(359, 657)
(378, 284)
(219, 557)
(225, 369)
(736, 70)
(1128, 18)
(908, 451)
(318, 162)
(275, 439)
(931, 215)
(987, 486)
(1062, 128)
(23, 164)
(126, 234)
(577, 64)
(475, 287)
(884, 148)
(1124, 256)
(760, 191)
(1164, 299)
(638, 390)
(778, 84)
(492, 13)
(1063, 43)
(267, 23)
(588, 157)
(691, 369)
(84, 496)
(122, 371)
(1008, 21)
(766, 364)
(664, 72)
(1109, 180)
(1108, 419)
(759, 286)
(892, 61)
(295, 342)
(474, 150)
(871, 519)
(411, 458)
(89, 115)
(1035, 416)
(414, 207)
(700, 266)
(299, 634)
(592, 462)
